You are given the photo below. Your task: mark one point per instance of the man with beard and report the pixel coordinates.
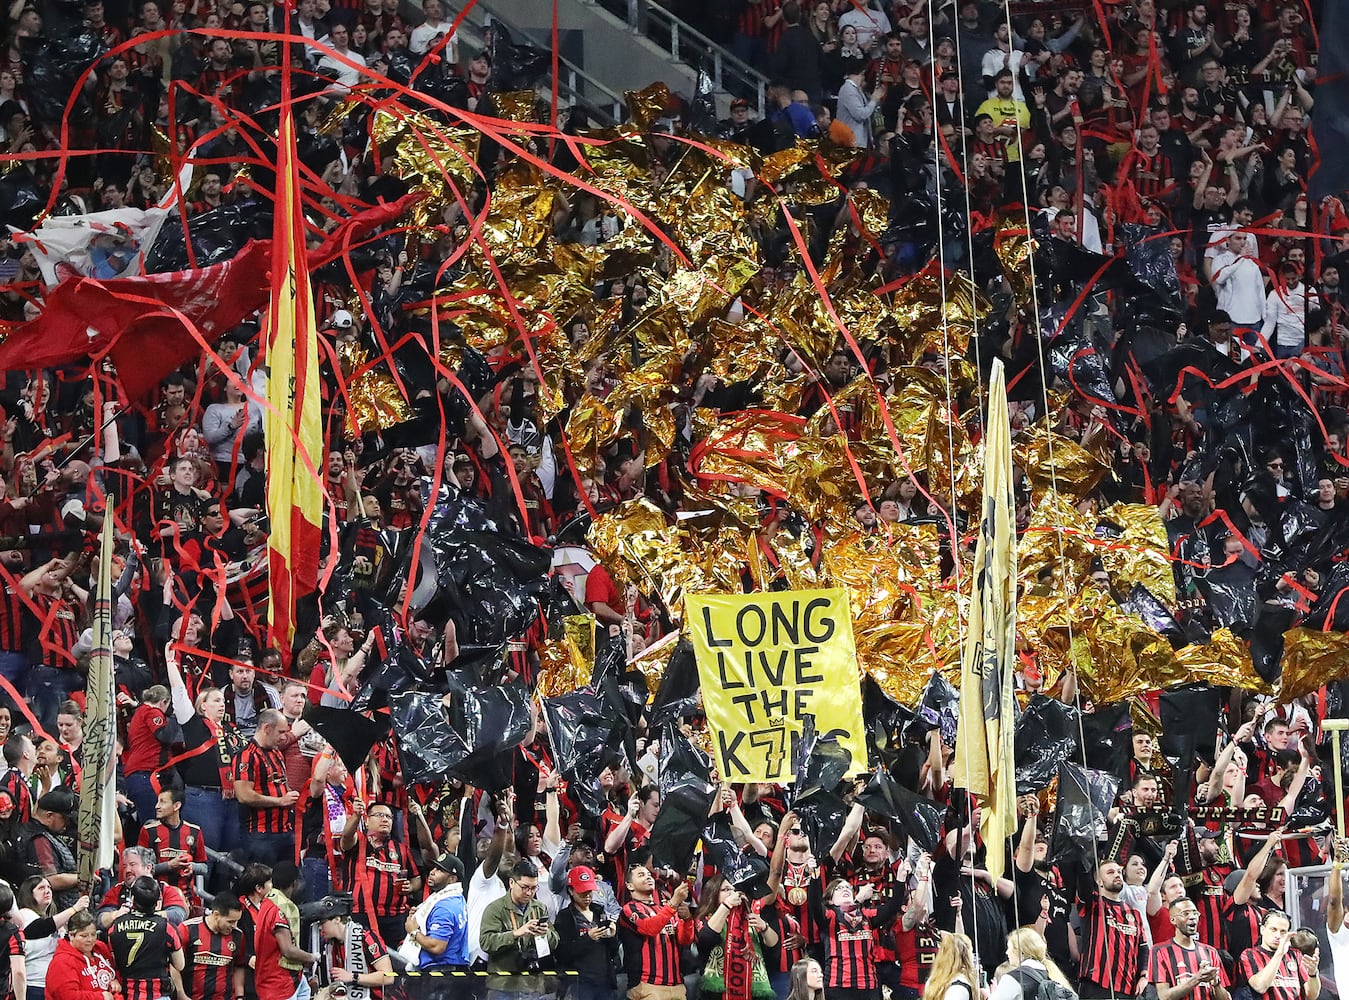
(1185, 966)
(1113, 952)
(1040, 898)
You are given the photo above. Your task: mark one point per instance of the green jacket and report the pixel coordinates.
(506, 952)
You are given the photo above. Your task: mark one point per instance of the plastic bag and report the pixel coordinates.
(920, 817)
(351, 733)
(1108, 738)
(938, 708)
(1084, 798)
(687, 795)
(1046, 736)
(680, 692)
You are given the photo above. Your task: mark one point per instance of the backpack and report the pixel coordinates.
(1036, 985)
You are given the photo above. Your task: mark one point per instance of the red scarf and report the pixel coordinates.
(738, 956)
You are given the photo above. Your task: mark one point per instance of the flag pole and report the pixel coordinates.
(98, 785)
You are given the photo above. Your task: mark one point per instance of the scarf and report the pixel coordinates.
(354, 961)
(739, 956)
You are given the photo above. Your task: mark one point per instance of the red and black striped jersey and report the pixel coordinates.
(391, 793)
(1241, 927)
(884, 890)
(372, 947)
(1114, 951)
(1152, 175)
(1288, 981)
(751, 22)
(652, 935)
(385, 865)
(1170, 963)
(173, 843)
(11, 620)
(12, 783)
(994, 150)
(848, 961)
(266, 769)
(54, 631)
(794, 898)
(210, 959)
(1209, 896)
(12, 943)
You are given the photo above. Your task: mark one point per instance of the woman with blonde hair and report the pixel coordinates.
(1031, 966)
(953, 975)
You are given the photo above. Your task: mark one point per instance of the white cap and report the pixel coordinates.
(341, 320)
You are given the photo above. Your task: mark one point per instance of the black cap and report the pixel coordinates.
(59, 800)
(449, 863)
(332, 907)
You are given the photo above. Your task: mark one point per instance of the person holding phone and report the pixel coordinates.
(1185, 966)
(587, 940)
(518, 938)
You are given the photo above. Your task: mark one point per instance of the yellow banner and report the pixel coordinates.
(985, 739)
(766, 661)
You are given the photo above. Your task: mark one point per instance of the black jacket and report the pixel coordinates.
(594, 962)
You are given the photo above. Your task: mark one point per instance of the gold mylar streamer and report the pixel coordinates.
(1311, 659)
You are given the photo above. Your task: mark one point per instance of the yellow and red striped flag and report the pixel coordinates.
(293, 426)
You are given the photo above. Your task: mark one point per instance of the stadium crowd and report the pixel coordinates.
(253, 863)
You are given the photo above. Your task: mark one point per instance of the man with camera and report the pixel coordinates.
(519, 939)
(587, 940)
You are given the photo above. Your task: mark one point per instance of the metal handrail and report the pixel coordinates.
(690, 46)
(576, 86)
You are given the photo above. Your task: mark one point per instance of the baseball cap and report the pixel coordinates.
(581, 879)
(332, 907)
(1207, 833)
(341, 320)
(739, 102)
(449, 863)
(59, 800)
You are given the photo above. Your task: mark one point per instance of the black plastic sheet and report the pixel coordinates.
(1147, 252)
(687, 796)
(885, 721)
(473, 743)
(217, 235)
(493, 585)
(21, 200)
(1145, 605)
(587, 729)
(427, 747)
(351, 733)
(1046, 737)
(938, 708)
(1075, 358)
(742, 869)
(819, 761)
(515, 66)
(680, 694)
(1084, 798)
(52, 65)
(917, 815)
(1189, 718)
(1108, 739)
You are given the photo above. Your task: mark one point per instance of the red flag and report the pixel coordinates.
(132, 321)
